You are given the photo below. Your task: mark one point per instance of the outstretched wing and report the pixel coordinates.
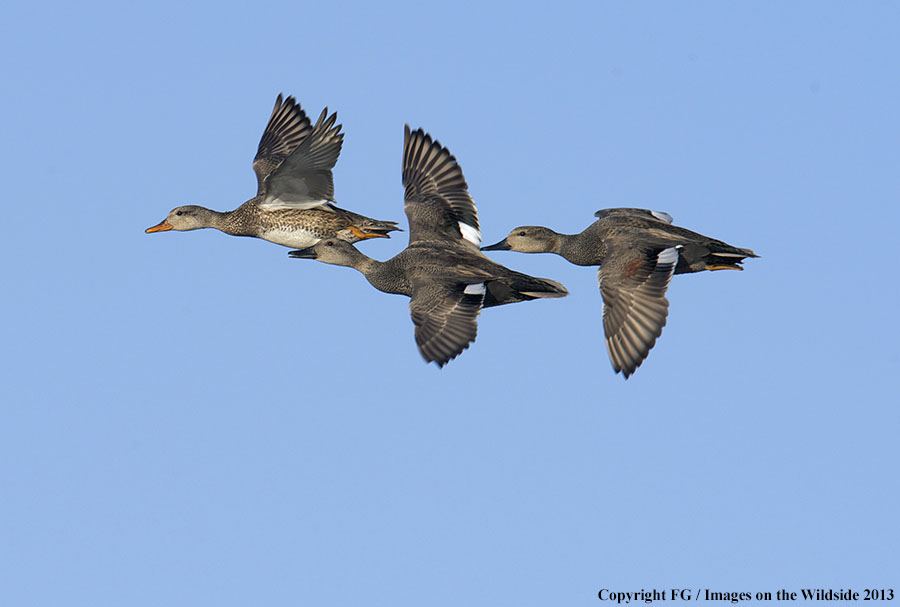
(436, 200)
(294, 161)
(633, 286)
(288, 126)
(445, 318)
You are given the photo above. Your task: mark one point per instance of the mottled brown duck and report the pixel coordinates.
(294, 204)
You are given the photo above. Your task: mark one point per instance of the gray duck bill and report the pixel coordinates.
(500, 246)
(307, 253)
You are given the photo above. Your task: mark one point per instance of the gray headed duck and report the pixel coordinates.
(638, 251)
(294, 204)
(442, 270)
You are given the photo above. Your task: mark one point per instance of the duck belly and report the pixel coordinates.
(295, 239)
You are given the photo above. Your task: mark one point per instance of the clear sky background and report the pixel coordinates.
(196, 419)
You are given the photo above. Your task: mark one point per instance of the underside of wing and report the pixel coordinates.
(633, 286)
(288, 126)
(304, 179)
(436, 200)
(445, 318)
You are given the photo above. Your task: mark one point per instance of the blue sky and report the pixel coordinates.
(198, 419)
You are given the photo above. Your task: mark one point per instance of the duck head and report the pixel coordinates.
(329, 250)
(526, 239)
(189, 217)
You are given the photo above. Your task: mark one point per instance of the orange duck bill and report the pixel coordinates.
(162, 226)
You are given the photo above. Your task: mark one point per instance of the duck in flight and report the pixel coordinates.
(638, 251)
(294, 203)
(442, 271)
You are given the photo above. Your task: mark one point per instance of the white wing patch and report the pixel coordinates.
(476, 289)
(667, 256)
(296, 203)
(662, 216)
(471, 234)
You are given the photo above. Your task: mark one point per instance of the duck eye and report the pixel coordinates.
(522, 233)
(328, 243)
(179, 212)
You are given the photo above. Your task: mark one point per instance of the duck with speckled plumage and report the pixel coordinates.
(294, 205)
